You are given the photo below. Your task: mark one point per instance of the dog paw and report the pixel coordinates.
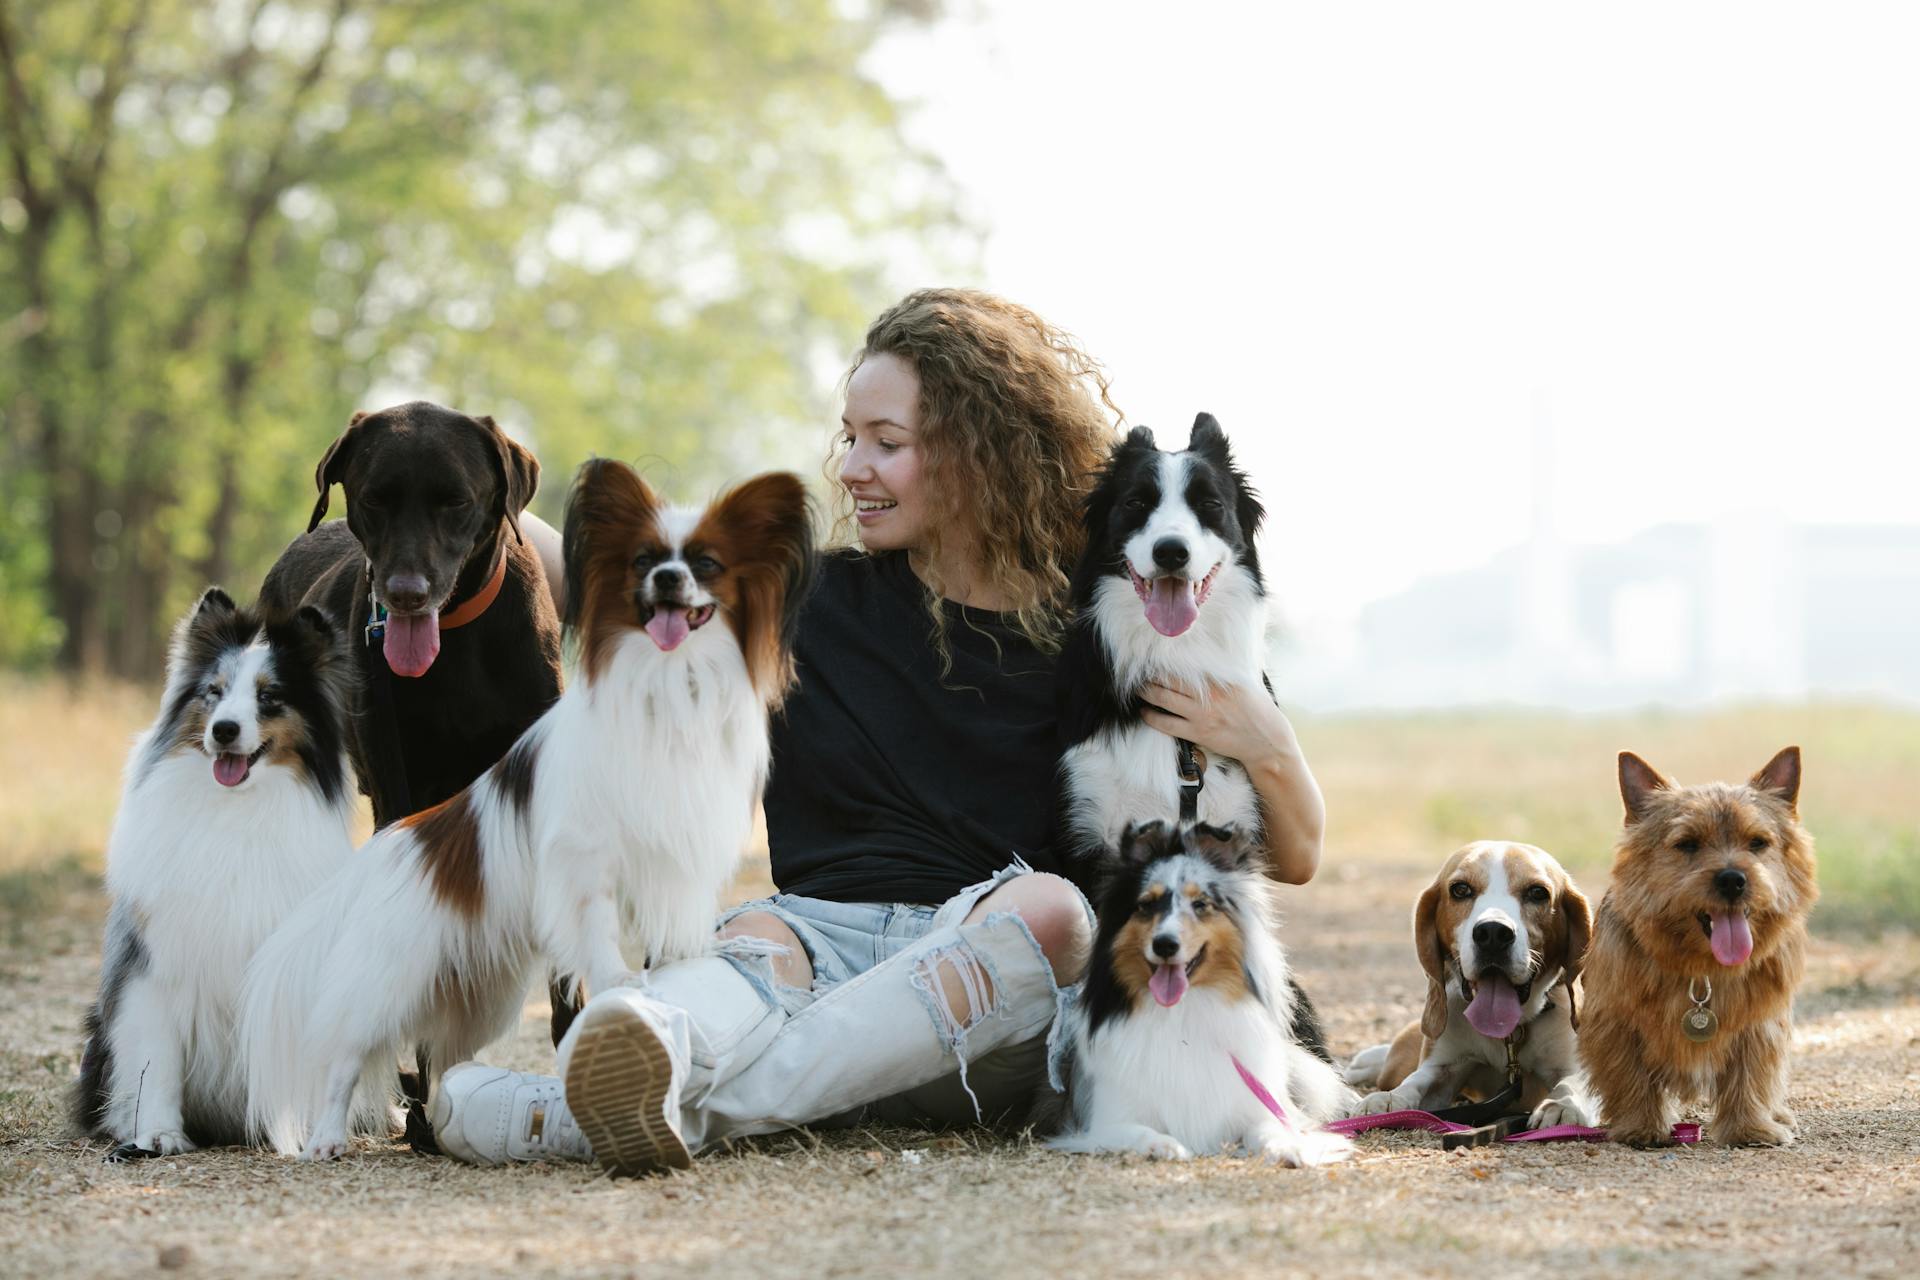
(1753, 1133)
(1378, 1104)
(162, 1142)
(1555, 1112)
(1641, 1136)
(325, 1149)
(1165, 1148)
(1308, 1150)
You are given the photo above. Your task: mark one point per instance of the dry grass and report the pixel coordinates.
(1845, 1200)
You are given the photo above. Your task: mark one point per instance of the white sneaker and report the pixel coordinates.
(488, 1115)
(623, 1085)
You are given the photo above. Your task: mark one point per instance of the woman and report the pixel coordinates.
(913, 964)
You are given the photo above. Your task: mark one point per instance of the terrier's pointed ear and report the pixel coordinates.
(1638, 783)
(333, 468)
(1782, 777)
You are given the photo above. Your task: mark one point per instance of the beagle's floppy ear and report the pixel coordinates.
(1576, 934)
(333, 467)
(1432, 949)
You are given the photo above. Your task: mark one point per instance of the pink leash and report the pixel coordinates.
(1682, 1133)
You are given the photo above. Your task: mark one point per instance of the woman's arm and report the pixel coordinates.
(1243, 723)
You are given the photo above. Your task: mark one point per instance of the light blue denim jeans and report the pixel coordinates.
(845, 939)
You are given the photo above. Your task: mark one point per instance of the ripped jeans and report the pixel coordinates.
(914, 1017)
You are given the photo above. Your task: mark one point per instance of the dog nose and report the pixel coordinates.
(225, 731)
(669, 581)
(1492, 937)
(407, 592)
(1165, 947)
(1170, 553)
(1730, 883)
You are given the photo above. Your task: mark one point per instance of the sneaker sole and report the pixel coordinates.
(617, 1082)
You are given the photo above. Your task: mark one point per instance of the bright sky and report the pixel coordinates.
(1382, 241)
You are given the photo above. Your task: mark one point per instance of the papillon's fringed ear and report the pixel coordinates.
(1142, 842)
(609, 509)
(333, 467)
(1638, 783)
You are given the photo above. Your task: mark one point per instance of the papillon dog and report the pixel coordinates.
(618, 816)
(1181, 1042)
(236, 807)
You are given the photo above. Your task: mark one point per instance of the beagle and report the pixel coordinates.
(1501, 933)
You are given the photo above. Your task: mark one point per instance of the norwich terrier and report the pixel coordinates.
(1698, 946)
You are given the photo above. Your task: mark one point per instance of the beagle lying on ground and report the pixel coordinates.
(1501, 933)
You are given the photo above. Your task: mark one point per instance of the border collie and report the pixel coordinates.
(235, 809)
(1181, 1042)
(621, 812)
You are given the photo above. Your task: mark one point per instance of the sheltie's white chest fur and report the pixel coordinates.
(1173, 1070)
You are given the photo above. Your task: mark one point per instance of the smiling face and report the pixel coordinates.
(882, 468)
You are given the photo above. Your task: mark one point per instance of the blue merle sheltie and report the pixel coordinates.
(235, 807)
(1181, 1041)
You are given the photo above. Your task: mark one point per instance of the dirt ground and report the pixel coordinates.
(1845, 1200)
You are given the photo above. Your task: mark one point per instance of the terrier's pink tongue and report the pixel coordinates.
(1731, 939)
(413, 642)
(1168, 984)
(1495, 1010)
(1171, 608)
(230, 769)
(668, 627)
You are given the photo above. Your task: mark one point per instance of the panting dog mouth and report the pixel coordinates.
(1728, 934)
(1169, 981)
(1172, 602)
(230, 768)
(669, 624)
(1494, 1004)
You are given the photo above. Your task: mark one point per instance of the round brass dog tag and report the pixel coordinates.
(1699, 1023)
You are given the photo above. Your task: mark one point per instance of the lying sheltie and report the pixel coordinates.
(1181, 1042)
(236, 807)
(620, 813)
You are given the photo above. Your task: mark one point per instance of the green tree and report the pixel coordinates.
(639, 228)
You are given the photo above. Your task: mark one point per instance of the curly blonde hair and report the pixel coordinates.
(1011, 432)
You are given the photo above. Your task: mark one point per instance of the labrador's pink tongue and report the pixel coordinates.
(668, 627)
(1171, 608)
(1168, 984)
(229, 769)
(1731, 939)
(413, 642)
(1495, 1010)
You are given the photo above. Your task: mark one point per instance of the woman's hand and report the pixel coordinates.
(1242, 722)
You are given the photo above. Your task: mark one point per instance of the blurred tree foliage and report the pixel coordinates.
(641, 228)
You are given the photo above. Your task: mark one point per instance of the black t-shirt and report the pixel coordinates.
(890, 784)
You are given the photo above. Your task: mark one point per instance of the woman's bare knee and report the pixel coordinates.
(794, 968)
(1054, 912)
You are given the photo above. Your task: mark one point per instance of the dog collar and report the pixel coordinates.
(477, 603)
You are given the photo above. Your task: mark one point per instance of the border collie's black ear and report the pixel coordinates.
(333, 467)
(517, 470)
(215, 599)
(1208, 438)
(1142, 842)
(1138, 438)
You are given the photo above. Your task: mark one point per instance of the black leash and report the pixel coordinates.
(1193, 779)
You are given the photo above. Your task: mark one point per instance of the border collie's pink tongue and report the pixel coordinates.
(1171, 607)
(1168, 984)
(1495, 1010)
(1731, 939)
(230, 769)
(413, 642)
(668, 627)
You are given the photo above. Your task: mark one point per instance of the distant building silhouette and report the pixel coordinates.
(1744, 608)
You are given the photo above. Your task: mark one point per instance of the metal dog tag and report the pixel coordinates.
(1699, 1023)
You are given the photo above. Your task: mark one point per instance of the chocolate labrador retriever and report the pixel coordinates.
(460, 643)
